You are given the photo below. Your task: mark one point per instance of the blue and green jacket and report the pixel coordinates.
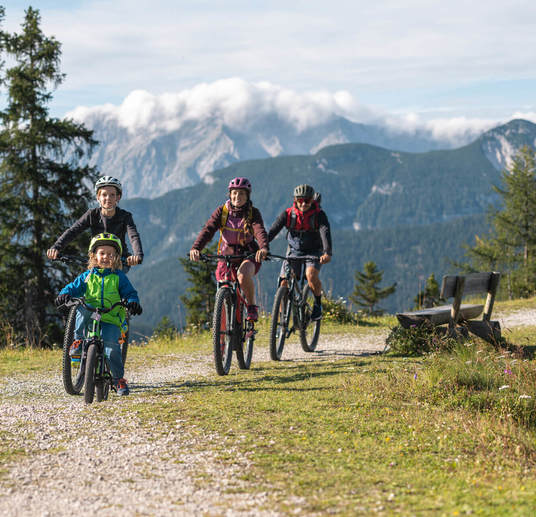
(103, 288)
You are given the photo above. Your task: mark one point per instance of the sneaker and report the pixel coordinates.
(253, 314)
(76, 348)
(317, 312)
(121, 387)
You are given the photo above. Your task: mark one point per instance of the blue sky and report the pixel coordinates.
(421, 59)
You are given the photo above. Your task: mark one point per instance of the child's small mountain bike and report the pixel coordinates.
(97, 378)
(230, 328)
(294, 301)
(73, 367)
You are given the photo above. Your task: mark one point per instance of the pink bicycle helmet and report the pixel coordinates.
(240, 183)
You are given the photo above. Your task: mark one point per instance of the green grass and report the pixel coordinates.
(358, 435)
(432, 435)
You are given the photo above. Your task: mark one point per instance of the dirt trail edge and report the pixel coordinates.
(86, 460)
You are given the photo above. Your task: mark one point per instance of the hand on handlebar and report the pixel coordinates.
(62, 299)
(261, 255)
(325, 258)
(53, 254)
(194, 255)
(133, 260)
(134, 308)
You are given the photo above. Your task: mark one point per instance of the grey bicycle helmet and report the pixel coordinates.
(304, 191)
(108, 181)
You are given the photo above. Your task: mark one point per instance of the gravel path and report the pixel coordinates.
(77, 463)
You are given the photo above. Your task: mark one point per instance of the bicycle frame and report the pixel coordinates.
(231, 331)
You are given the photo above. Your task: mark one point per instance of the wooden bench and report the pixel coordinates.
(457, 286)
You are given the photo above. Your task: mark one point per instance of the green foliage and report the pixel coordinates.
(482, 377)
(367, 294)
(510, 246)
(418, 340)
(42, 182)
(336, 310)
(429, 296)
(165, 329)
(199, 300)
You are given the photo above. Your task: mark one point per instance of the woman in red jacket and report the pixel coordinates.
(241, 231)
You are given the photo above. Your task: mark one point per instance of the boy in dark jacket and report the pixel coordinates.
(106, 218)
(308, 234)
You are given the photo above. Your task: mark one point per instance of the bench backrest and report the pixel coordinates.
(474, 283)
(457, 286)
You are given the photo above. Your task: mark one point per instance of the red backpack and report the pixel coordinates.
(303, 221)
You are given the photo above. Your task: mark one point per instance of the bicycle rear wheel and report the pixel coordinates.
(91, 365)
(72, 370)
(244, 341)
(309, 330)
(222, 331)
(279, 323)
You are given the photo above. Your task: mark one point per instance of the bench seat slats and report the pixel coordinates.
(438, 315)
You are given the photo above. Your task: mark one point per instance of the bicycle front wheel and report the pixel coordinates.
(309, 330)
(91, 366)
(222, 331)
(279, 323)
(244, 341)
(72, 368)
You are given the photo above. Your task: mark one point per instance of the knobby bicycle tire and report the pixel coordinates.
(222, 331)
(243, 343)
(309, 330)
(89, 383)
(279, 323)
(72, 372)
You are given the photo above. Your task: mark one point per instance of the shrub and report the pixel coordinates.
(337, 311)
(418, 340)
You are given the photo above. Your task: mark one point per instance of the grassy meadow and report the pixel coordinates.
(451, 433)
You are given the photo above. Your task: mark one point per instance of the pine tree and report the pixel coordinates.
(367, 294)
(42, 183)
(429, 296)
(199, 298)
(511, 245)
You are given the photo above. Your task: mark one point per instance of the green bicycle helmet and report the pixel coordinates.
(304, 191)
(106, 239)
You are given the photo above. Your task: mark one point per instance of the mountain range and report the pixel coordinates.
(409, 212)
(154, 160)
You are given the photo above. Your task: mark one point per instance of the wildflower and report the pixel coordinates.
(507, 371)
(525, 397)
(415, 375)
(504, 387)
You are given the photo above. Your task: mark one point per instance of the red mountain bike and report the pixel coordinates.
(230, 328)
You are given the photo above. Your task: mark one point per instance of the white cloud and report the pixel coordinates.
(234, 101)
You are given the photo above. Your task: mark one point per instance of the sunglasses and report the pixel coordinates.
(303, 200)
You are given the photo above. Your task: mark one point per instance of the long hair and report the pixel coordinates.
(116, 264)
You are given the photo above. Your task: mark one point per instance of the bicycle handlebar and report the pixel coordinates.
(76, 259)
(207, 258)
(297, 259)
(102, 310)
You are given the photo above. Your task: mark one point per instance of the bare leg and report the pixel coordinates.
(313, 280)
(245, 274)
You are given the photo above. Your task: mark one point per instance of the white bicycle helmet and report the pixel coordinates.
(108, 181)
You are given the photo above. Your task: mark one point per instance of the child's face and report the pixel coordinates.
(303, 203)
(108, 197)
(105, 256)
(238, 197)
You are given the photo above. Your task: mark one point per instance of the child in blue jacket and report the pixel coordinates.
(102, 285)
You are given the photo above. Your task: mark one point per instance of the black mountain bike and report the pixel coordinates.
(97, 378)
(73, 368)
(293, 302)
(230, 328)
